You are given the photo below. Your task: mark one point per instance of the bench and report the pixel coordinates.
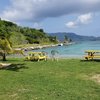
(92, 57)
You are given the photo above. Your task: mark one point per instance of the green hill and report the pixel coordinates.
(24, 35)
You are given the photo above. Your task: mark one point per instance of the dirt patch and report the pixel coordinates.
(96, 78)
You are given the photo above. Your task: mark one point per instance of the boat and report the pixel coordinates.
(61, 44)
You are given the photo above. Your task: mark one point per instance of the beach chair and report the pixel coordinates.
(92, 54)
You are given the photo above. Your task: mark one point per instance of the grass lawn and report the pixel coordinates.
(67, 79)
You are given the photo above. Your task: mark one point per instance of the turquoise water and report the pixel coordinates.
(74, 50)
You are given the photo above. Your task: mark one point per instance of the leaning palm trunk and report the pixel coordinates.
(4, 57)
(5, 48)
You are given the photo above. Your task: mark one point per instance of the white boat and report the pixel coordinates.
(61, 44)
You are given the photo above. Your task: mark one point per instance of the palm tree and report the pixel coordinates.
(5, 48)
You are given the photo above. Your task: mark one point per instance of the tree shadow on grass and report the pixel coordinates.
(14, 67)
(94, 60)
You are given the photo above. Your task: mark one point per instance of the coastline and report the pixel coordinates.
(38, 47)
(44, 46)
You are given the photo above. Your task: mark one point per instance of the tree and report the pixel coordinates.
(66, 38)
(53, 39)
(5, 48)
(70, 40)
(41, 30)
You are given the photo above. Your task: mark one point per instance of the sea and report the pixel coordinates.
(75, 50)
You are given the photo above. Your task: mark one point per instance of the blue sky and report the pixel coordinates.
(78, 16)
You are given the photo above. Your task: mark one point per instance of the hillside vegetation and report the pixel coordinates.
(24, 35)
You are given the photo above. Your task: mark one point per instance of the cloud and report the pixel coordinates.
(85, 19)
(71, 24)
(81, 20)
(37, 10)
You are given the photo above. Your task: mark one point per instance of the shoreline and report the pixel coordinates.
(45, 46)
(39, 47)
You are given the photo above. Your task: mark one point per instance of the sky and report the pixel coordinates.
(77, 16)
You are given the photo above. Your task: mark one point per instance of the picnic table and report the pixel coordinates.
(92, 54)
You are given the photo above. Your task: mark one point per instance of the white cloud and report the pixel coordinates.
(71, 24)
(85, 19)
(81, 20)
(37, 10)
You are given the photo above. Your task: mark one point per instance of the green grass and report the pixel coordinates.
(67, 79)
